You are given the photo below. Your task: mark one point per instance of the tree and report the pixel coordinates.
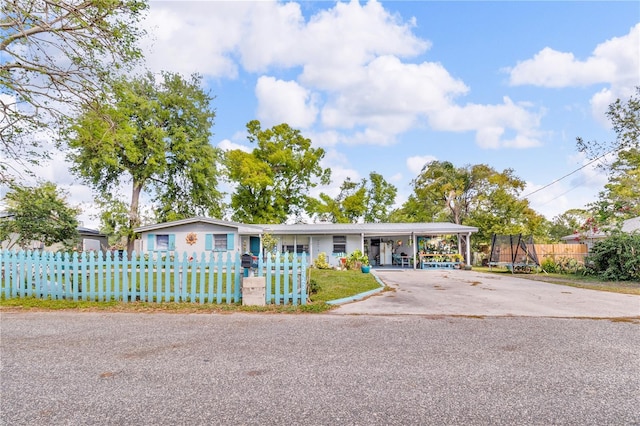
(619, 200)
(272, 181)
(348, 207)
(567, 223)
(367, 200)
(380, 196)
(474, 195)
(156, 136)
(40, 214)
(447, 192)
(56, 56)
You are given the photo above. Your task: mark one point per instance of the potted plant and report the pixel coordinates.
(357, 260)
(365, 267)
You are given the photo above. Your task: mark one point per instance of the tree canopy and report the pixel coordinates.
(272, 181)
(369, 200)
(154, 135)
(619, 200)
(475, 195)
(56, 56)
(38, 213)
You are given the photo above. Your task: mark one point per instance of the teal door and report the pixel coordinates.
(254, 245)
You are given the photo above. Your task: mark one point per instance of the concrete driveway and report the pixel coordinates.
(471, 293)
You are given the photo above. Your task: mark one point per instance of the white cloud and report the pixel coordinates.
(227, 145)
(190, 37)
(340, 171)
(491, 122)
(416, 163)
(348, 63)
(614, 62)
(284, 102)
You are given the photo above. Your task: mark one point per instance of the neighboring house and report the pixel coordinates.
(89, 240)
(629, 226)
(383, 242)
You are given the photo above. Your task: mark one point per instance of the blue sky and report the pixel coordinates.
(388, 86)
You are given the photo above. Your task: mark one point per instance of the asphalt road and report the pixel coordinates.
(74, 368)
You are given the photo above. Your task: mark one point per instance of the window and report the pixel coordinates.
(161, 242)
(219, 242)
(299, 248)
(339, 244)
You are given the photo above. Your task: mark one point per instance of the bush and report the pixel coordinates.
(321, 261)
(314, 287)
(549, 265)
(357, 259)
(616, 258)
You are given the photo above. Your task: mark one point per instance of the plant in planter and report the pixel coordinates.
(356, 259)
(365, 267)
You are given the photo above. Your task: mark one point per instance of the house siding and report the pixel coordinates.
(203, 238)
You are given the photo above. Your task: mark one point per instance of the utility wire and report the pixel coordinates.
(569, 174)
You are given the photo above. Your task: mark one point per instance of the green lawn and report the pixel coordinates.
(340, 284)
(574, 280)
(333, 285)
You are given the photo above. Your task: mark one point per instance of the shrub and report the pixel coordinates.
(357, 259)
(321, 261)
(549, 265)
(616, 258)
(314, 287)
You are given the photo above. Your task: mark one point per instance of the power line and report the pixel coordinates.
(569, 174)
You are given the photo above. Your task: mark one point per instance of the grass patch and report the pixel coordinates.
(333, 285)
(573, 280)
(34, 304)
(340, 284)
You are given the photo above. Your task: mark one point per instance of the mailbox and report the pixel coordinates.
(247, 260)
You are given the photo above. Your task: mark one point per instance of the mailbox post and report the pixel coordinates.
(246, 264)
(253, 288)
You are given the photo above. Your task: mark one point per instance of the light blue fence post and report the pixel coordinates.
(15, 274)
(237, 274)
(303, 281)
(275, 267)
(4, 269)
(294, 277)
(264, 272)
(229, 294)
(234, 267)
(210, 281)
(117, 267)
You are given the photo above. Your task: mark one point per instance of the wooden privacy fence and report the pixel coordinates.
(562, 251)
(98, 276)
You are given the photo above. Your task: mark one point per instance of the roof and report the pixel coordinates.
(371, 228)
(242, 228)
(631, 225)
(324, 228)
(87, 231)
(628, 226)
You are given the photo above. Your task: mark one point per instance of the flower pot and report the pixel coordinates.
(365, 269)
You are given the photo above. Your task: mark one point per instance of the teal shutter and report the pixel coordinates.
(151, 239)
(172, 241)
(231, 238)
(208, 242)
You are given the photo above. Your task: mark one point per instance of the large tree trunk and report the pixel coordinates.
(134, 217)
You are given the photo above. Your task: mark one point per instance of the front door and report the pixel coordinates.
(254, 245)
